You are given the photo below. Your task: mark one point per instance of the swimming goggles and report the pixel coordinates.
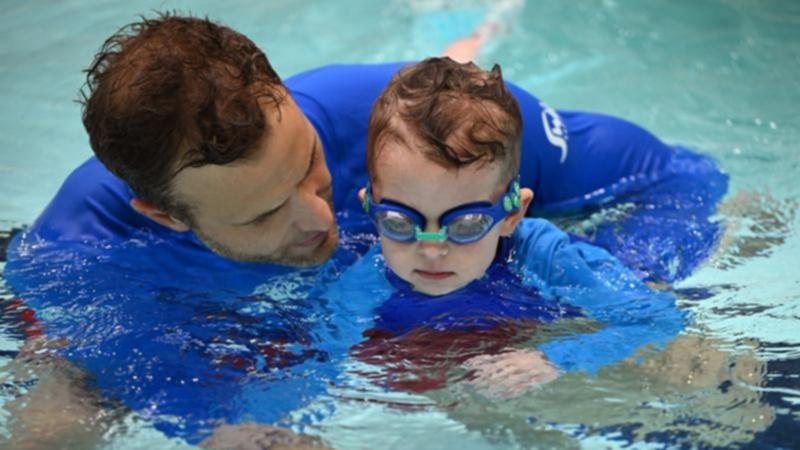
(463, 224)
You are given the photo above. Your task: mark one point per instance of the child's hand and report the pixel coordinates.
(509, 374)
(254, 436)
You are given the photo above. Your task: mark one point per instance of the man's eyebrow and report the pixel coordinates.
(272, 211)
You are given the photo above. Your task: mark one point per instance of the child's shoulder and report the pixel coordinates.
(533, 231)
(534, 246)
(540, 240)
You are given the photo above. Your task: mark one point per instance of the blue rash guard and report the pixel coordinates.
(187, 340)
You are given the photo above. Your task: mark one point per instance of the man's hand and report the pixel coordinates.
(253, 436)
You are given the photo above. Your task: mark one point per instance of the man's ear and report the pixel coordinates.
(152, 212)
(512, 220)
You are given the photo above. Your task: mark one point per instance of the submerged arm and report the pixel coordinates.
(60, 410)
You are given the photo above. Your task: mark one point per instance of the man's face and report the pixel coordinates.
(274, 206)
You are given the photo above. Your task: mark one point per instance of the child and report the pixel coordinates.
(443, 156)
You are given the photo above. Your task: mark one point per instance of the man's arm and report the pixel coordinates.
(570, 158)
(60, 410)
(573, 159)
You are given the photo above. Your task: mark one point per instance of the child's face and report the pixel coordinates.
(436, 268)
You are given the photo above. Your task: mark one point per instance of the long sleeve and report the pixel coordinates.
(586, 276)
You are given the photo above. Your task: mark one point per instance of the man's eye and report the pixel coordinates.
(259, 221)
(264, 219)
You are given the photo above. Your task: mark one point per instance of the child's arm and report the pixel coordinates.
(589, 277)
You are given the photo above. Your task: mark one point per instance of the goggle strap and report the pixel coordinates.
(439, 236)
(367, 198)
(512, 200)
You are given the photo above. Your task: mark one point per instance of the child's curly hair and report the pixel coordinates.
(459, 115)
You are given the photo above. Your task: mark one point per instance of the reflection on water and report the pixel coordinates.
(757, 223)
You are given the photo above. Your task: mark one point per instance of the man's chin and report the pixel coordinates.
(316, 256)
(319, 255)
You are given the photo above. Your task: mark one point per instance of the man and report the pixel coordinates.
(204, 157)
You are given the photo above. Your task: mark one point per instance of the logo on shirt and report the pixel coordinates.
(554, 129)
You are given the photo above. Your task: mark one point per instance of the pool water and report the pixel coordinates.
(716, 76)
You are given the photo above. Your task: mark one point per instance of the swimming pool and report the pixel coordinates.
(719, 77)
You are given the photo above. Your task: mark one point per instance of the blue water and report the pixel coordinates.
(716, 76)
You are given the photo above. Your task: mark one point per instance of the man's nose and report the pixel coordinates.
(312, 212)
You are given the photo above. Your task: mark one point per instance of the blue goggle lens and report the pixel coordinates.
(396, 225)
(469, 228)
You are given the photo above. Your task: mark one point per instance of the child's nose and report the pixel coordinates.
(432, 249)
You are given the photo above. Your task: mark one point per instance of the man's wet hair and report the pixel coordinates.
(171, 92)
(458, 115)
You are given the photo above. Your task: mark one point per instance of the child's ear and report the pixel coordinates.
(512, 220)
(361, 193)
(154, 213)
